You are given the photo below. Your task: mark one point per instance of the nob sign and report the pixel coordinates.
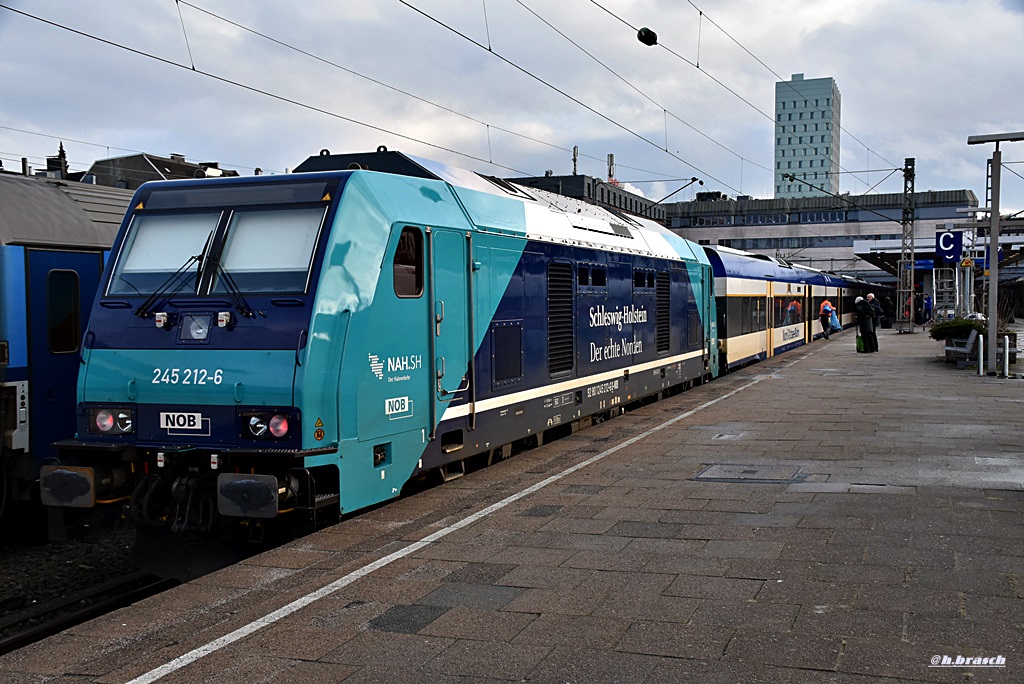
(949, 245)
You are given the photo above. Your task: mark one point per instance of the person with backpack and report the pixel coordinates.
(825, 317)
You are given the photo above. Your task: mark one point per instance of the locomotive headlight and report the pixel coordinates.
(194, 327)
(267, 425)
(115, 421)
(279, 426)
(104, 421)
(257, 426)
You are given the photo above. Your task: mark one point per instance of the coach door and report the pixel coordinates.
(451, 315)
(61, 287)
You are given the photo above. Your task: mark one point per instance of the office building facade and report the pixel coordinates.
(807, 137)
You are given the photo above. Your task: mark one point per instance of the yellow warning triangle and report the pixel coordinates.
(319, 423)
(326, 197)
(139, 206)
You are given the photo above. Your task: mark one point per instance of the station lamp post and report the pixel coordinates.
(993, 238)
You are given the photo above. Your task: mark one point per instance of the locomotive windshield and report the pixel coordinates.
(159, 246)
(269, 251)
(248, 247)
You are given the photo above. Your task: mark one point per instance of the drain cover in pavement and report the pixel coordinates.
(782, 474)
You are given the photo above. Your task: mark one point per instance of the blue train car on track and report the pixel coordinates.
(54, 236)
(278, 349)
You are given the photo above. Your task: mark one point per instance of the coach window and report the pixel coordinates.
(63, 306)
(408, 266)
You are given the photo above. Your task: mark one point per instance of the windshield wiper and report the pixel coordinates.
(144, 310)
(175, 279)
(235, 292)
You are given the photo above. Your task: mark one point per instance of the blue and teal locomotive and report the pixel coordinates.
(298, 347)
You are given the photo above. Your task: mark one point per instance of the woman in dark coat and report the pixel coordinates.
(866, 321)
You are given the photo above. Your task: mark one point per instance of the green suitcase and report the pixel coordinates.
(860, 343)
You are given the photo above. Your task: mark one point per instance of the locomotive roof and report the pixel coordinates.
(549, 216)
(49, 212)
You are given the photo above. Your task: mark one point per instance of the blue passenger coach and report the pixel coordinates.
(301, 346)
(54, 236)
(766, 306)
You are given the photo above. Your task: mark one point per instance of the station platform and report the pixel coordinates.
(823, 516)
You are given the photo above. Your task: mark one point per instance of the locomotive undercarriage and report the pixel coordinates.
(194, 494)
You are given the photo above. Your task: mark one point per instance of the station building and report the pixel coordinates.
(835, 234)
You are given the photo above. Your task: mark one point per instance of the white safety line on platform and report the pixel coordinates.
(300, 603)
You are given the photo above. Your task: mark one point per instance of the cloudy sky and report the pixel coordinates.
(509, 87)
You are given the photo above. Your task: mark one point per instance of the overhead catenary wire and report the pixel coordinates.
(375, 81)
(254, 89)
(774, 73)
(558, 90)
(488, 125)
(696, 65)
(640, 92)
(485, 124)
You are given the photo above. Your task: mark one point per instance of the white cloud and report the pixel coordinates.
(916, 76)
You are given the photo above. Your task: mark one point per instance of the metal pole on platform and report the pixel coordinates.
(993, 262)
(993, 237)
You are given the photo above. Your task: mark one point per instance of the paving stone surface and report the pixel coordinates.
(863, 517)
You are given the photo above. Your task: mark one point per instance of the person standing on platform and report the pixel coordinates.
(927, 308)
(876, 321)
(865, 321)
(825, 317)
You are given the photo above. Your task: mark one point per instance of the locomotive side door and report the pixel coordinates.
(61, 287)
(450, 310)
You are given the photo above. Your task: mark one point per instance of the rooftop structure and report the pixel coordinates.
(133, 170)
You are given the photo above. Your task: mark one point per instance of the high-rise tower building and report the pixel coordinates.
(806, 137)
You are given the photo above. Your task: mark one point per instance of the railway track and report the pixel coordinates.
(33, 624)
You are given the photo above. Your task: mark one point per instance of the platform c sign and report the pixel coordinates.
(949, 245)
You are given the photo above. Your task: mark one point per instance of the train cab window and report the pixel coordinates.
(408, 264)
(599, 277)
(63, 307)
(157, 247)
(269, 251)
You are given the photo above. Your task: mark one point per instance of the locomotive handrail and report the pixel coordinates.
(431, 339)
(471, 373)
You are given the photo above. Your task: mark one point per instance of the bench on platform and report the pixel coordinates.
(965, 353)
